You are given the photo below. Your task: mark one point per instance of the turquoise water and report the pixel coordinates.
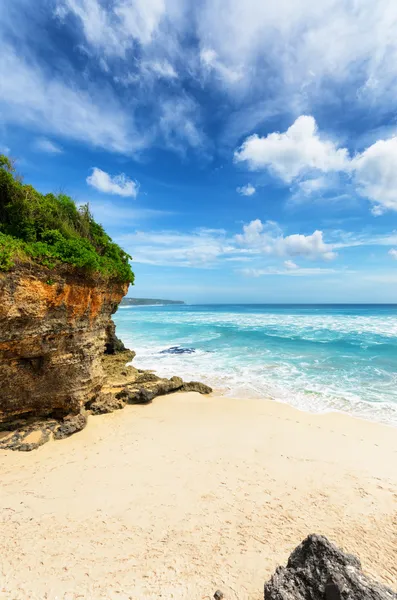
(317, 358)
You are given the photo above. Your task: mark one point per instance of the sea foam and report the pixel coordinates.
(315, 358)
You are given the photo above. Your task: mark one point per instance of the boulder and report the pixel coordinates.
(318, 570)
(70, 424)
(105, 403)
(147, 377)
(143, 393)
(196, 386)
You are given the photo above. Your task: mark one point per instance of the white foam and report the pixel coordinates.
(308, 382)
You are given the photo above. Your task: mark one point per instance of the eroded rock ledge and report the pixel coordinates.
(60, 358)
(123, 384)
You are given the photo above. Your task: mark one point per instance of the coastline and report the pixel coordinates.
(315, 358)
(192, 493)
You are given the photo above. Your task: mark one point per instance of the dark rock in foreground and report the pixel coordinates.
(318, 570)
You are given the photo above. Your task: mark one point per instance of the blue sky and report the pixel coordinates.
(240, 151)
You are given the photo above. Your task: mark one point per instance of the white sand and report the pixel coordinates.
(191, 494)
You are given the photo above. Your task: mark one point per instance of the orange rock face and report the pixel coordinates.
(52, 336)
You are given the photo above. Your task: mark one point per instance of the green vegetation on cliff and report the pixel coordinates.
(50, 229)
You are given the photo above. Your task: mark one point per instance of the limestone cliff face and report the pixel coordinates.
(52, 337)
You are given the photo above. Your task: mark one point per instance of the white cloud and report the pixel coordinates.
(290, 265)
(246, 190)
(119, 185)
(216, 248)
(298, 272)
(207, 248)
(256, 46)
(313, 186)
(294, 156)
(200, 248)
(162, 69)
(393, 253)
(47, 146)
(376, 174)
(178, 123)
(113, 214)
(289, 45)
(352, 240)
(299, 150)
(139, 19)
(210, 62)
(29, 98)
(266, 238)
(114, 29)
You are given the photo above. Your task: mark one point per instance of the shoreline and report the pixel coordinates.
(193, 493)
(306, 410)
(224, 393)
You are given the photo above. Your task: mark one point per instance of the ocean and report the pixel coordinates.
(317, 358)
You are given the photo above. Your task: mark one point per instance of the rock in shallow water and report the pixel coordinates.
(178, 350)
(318, 570)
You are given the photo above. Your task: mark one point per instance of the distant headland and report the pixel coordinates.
(147, 302)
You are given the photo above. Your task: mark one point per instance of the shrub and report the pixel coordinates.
(51, 228)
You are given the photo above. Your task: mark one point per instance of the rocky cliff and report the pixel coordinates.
(52, 335)
(60, 358)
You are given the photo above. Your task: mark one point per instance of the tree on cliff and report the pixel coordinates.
(49, 229)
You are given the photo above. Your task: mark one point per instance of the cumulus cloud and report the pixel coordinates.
(272, 61)
(290, 154)
(246, 190)
(258, 244)
(376, 174)
(302, 156)
(208, 248)
(47, 146)
(268, 239)
(393, 253)
(119, 185)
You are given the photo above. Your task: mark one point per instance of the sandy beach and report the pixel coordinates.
(190, 494)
